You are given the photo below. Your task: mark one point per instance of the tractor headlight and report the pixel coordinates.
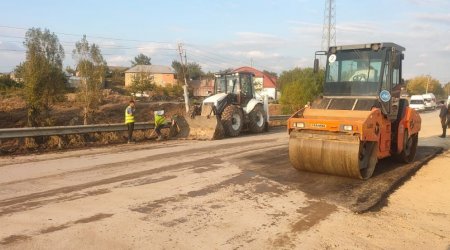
(299, 124)
(347, 127)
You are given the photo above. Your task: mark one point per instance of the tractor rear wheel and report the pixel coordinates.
(257, 119)
(232, 120)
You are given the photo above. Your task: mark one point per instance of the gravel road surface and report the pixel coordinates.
(226, 194)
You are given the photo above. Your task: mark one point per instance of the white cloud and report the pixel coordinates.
(252, 39)
(434, 17)
(305, 28)
(118, 60)
(428, 2)
(361, 27)
(420, 64)
(255, 54)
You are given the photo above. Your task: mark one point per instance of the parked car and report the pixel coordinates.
(430, 101)
(417, 102)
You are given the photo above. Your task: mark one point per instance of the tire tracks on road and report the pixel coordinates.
(38, 199)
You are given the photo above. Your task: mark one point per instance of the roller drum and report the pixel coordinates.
(332, 153)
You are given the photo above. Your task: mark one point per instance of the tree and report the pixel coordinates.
(42, 74)
(142, 82)
(70, 70)
(180, 70)
(91, 68)
(299, 86)
(19, 71)
(141, 59)
(193, 71)
(209, 76)
(418, 86)
(226, 71)
(446, 89)
(6, 82)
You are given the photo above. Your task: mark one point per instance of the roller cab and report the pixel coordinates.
(361, 117)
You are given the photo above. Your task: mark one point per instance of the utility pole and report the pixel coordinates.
(185, 87)
(186, 64)
(329, 25)
(428, 83)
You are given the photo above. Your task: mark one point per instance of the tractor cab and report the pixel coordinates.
(238, 87)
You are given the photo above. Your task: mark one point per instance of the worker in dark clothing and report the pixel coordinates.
(129, 120)
(444, 114)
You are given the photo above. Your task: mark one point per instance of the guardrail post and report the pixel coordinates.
(61, 142)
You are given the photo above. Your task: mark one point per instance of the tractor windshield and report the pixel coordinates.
(227, 84)
(354, 72)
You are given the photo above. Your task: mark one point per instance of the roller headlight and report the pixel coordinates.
(347, 127)
(299, 124)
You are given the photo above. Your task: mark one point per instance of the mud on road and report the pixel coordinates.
(233, 193)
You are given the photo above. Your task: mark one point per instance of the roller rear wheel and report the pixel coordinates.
(409, 148)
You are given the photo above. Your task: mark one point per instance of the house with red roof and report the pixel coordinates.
(265, 84)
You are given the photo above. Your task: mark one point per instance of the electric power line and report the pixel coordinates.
(91, 36)
(201, 53)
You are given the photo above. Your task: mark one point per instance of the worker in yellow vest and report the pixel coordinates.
(160, 121)
(129, 120)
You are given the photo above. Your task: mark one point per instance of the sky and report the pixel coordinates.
(266, 34)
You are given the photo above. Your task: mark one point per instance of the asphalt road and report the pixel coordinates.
(227, 194)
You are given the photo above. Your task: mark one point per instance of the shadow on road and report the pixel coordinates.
(357, 195)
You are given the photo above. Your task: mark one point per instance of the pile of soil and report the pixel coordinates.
(13, 111)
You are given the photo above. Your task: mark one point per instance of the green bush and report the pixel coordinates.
(6, 83)
(299, 86)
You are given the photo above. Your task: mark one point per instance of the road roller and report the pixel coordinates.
(362, 116)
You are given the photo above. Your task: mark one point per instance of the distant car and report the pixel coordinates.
(430, 101)
(417, 102)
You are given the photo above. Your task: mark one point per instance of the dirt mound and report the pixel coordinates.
(13, 111)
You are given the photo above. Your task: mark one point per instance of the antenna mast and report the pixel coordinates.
(329, 25)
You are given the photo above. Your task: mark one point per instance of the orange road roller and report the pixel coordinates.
(362, 116)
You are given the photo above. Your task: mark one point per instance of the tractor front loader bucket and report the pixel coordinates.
(199, 128)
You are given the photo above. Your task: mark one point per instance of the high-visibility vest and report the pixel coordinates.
(129, 118)
(159, 120)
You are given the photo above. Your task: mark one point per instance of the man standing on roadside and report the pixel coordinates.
(129, 120)
(444, 115)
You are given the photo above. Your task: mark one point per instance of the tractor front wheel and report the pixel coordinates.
(257, 119)
(232, 120)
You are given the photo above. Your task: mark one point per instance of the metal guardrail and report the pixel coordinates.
(10, 133)
(279, 117)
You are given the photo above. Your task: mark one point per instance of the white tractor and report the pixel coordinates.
(232, 108)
